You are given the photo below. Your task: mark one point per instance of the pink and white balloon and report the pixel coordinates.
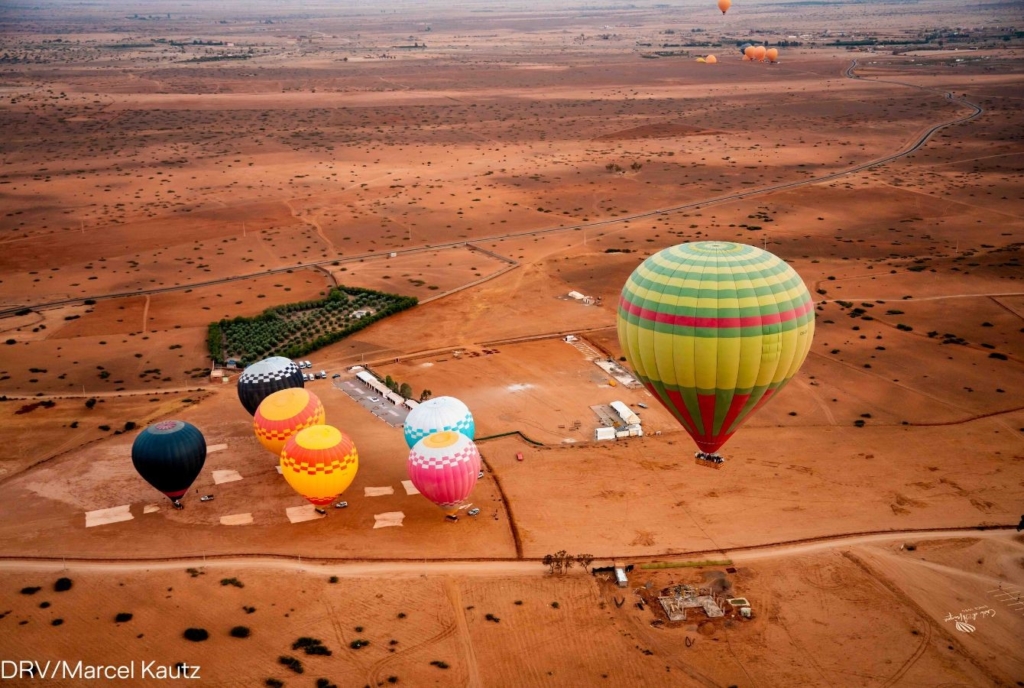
(444, 468)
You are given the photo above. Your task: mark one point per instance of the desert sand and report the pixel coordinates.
(167, 167)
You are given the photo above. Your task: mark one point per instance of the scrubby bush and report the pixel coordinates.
(122, 617)
(31, 590)
(240, 632)
(291, 662)
(196, 635)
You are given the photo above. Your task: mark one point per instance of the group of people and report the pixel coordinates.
(704, 456)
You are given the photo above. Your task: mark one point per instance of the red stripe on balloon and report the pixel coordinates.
(694, 321)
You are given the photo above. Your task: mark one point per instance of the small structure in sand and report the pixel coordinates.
(687, 597)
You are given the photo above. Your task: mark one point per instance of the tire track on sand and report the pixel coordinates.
(933, 625)
(451, 588)
(377, 669)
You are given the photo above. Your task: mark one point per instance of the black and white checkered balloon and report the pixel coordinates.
(262, 379)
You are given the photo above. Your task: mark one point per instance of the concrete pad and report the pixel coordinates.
(388, 520)
(236, 520)
(102, 517)
(216, 448)
(378, 491)
(410, 489)
(299, 514)
(150, 509)
(225, 476)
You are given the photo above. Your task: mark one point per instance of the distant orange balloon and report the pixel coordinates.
(772, 54)
(711, 59)
(748, 54)
(724, 5)
(759, 52)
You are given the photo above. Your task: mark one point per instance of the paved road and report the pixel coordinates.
(975, 112)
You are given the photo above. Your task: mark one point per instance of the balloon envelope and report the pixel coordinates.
(749, 51)
(283, 414)
(743, 48)
(724, 5)
(714, 329)
(262, 379)
(759, 52)
(711, 59)
(169, 456)
(444, 468)
(772, 54)
(437, 415)
(319, 462)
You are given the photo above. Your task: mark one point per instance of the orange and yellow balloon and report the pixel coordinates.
(724, 5)
(772, 54)
(320, 463)
(284, 413)
(711, 59)
(748, 52)
(759, 53)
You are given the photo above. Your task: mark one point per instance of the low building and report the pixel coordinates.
(625, 413)
(604, 434)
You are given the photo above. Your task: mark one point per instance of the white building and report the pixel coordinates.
(624, 412)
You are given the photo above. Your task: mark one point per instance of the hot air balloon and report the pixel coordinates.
(714, 330)
(748, 52)
(772, 54)
(759, 52)
(283, 414)
(319, 463)
(711, 59)
(743, 48)
(701, 59)
(444, 468)
(262, 379)
(724, 5)
(169, 456)
(435, 415)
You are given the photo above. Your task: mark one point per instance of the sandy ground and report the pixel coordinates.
(546, 139)
(882, 612)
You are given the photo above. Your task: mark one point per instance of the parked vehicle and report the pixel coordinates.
(308, 364)
(519, 456)
(335, 376)
(479, 475)
(474, 511)
(206, 498)
(374, 399)
(641, 404)
(341, 505)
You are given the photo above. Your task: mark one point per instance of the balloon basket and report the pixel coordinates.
(709, 461)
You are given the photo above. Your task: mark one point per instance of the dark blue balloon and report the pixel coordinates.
(169, 456)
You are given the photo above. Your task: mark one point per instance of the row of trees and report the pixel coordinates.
(405, 389)
(296, 329)
(561, 561)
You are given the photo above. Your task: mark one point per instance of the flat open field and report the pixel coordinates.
(885, 615)
(166, 167)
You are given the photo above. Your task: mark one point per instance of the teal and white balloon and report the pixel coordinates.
(440, 414)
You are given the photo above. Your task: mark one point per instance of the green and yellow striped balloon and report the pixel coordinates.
(714, 329)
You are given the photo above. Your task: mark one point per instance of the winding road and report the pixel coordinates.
(975, 111)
